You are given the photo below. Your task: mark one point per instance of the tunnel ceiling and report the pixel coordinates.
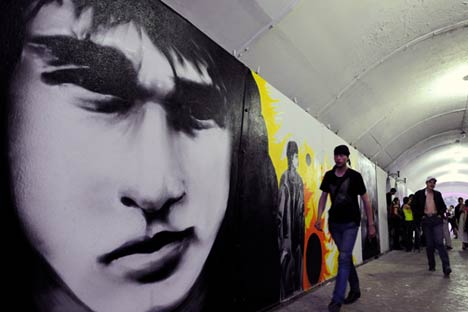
(390, 77)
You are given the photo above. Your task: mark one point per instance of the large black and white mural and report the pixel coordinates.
(125, 188)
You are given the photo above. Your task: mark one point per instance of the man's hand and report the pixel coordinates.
(371, 230)
(321, 208)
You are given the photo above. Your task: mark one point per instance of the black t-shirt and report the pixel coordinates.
(345, 206)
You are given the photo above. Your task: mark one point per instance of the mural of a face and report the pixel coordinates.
(123, 205)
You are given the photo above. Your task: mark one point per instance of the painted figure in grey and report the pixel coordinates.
(291, 224)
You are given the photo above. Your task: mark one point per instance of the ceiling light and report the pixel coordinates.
(448, 83)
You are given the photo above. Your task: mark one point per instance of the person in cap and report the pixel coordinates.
(389, 196)
(429, 208)
(344, 217)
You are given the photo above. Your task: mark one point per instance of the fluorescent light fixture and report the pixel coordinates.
(451, 178)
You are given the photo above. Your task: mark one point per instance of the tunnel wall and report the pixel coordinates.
(172, 179)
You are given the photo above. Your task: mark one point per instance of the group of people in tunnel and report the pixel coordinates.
(406, 232)
(457, 217)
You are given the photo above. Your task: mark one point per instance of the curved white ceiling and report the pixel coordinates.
(387, 76)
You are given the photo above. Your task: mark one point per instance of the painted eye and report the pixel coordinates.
(106, 100)
(101, 70)
(113, 105)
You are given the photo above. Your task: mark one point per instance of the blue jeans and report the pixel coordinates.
(433, 231)
(344, 235)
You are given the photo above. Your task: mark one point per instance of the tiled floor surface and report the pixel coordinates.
(398, 281)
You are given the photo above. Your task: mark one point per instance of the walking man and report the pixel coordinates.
(344, 185)
(429, 207)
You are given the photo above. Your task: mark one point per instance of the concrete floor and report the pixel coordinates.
(398, 281)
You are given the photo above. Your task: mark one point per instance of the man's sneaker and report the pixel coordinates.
(352, 297)
(334, 307)
(447, 272)
(432, 269)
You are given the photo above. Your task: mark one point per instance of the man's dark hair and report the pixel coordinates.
(393, 190)
(341, 150)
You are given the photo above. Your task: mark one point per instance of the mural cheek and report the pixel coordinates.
(205, 162)
(41, 162)
(64, 164)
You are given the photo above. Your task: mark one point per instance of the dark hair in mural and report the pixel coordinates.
(290, 151)
(241, 270)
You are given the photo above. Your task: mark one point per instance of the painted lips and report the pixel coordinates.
(151, 259)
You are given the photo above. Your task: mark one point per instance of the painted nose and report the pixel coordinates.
(155, 183)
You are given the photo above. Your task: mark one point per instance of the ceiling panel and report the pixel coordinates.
(429, 145)
(421, 131)
(387, 76)
(421, 81)
(233, 24)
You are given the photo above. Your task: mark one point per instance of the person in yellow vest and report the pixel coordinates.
(408, 223)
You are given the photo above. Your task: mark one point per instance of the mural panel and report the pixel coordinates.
(291, 131)
(126, 181)
(382, 208)
(370, 247)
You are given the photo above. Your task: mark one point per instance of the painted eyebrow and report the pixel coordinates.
(112, 72)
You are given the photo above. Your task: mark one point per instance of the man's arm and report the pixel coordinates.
(418, 211)
(321, 208)
(443, 206)
(370, 215)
